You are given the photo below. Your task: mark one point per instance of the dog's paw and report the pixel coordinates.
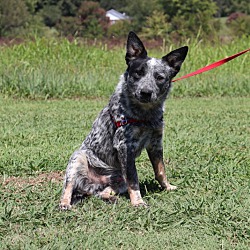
(64, 206)
(140, 204)
(112, 200)
(171, 187)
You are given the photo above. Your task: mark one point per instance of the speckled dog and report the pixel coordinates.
(133, 120)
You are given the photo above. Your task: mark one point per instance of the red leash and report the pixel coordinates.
(212, 66)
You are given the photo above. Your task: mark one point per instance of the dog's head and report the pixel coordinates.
(149, 79)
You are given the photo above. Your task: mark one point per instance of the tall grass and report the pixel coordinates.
(57, 68)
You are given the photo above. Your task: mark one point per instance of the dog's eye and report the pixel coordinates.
(160, 78)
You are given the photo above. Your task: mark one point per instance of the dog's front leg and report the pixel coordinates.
(127, 161)
(156, 157)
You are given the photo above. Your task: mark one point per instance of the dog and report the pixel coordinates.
(104, 165)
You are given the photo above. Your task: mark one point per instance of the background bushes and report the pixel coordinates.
(154, 19)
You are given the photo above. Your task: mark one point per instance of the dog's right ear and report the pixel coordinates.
(135, 48)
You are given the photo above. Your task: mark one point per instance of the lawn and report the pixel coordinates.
(207, 148)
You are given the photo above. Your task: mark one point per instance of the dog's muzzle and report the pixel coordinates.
(145, 96)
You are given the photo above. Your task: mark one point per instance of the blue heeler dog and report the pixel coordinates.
(133, 120)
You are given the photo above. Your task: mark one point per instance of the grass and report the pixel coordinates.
(57, 69)
(206, 142)
(206, 145)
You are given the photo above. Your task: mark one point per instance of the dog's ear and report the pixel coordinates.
(135, 48)
(175, 58)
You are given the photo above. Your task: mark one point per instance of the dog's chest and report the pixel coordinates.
(137, 138)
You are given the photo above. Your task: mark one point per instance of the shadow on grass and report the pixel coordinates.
(149, 186)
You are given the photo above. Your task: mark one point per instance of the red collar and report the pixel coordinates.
(124, 121)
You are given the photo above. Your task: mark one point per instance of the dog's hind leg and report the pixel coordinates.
(77, 163)
(85, 175)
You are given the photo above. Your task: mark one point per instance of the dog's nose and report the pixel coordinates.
(146, 95)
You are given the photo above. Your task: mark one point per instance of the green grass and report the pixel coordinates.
(57, 69)
(206, 142)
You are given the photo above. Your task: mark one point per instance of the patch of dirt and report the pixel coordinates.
(5, 41)
(40, 179)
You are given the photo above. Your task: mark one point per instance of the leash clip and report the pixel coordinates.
(123, 121)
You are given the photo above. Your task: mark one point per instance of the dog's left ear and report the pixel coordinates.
(175, 58)
(135, 48)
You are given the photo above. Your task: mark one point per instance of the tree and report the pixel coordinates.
(92, 20)
(119, 29)
(31, 6)
(51, 15)
(112, 4)
(239, 24)
(139, 11)
(13, 15)
(67, 26)
(189, 17)
(226, 7)
(186, 8)
(157, 25)
(69, 7)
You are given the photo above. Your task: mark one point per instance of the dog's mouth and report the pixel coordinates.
(144, 100)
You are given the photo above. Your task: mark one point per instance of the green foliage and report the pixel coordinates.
(89, 20)
(139, 10)
(154, 18)
(51, 15)
(186, 8)
(92, 20)
(14, 16)
(31, 5)
(49, 68)
(69, 7)
(120, 29)
(206, 142)
(189, 16)
(113, 4)
(240, 26)
(157, 26)
(68, 26)
(226, 7)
